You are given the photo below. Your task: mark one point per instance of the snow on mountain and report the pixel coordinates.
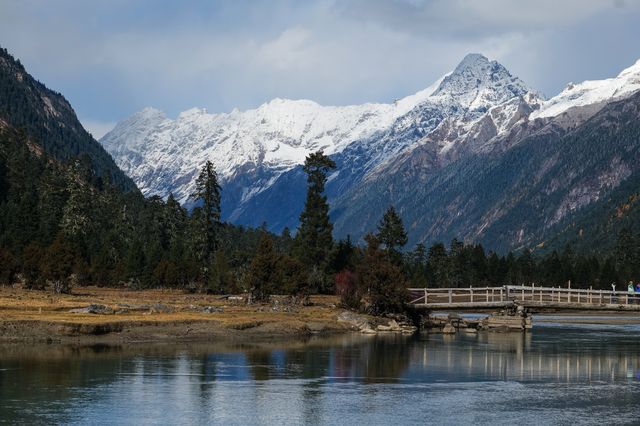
(463, 112)
(592, 92)
(479, 84)
(477, 101)
(162, 155)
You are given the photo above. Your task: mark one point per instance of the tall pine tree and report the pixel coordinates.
(314, 239)
(391, 234)
(207, 193)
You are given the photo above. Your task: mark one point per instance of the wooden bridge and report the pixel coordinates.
(535, 299)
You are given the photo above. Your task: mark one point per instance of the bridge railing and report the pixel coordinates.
(458, 295)
(571, 295)
(535, 294)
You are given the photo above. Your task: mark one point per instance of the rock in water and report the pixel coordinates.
(449, 329)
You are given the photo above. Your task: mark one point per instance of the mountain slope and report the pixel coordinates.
(478, 155)
(512, 200)
(162, 155)
(252, 149)
(47, 117)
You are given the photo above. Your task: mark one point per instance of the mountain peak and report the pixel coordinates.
(478, 83)
(472, 60)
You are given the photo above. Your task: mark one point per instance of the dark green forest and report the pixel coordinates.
(62, 226)
(69, 217)
(47, 117)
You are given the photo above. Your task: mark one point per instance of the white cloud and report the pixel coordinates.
(112, 58)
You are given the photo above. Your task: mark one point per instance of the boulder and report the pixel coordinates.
(449, 329)
(159, 308)
(94, 308)
(409, 329)
(367, 330)
(212, 310)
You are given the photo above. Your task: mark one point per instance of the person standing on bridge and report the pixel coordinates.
(637, 291)
(631, 292)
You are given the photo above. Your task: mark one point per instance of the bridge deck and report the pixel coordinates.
(532, 297)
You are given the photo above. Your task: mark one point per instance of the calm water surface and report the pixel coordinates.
(557, 374)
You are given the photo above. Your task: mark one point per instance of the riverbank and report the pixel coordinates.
(103, 315)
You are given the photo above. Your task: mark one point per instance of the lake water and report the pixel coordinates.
(556, 374)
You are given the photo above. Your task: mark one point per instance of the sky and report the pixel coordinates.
(111, 58)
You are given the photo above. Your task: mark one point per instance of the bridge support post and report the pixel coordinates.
(515, 318)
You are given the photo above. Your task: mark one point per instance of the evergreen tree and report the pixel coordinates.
(478, 265)
(382, 281)
(293, 277)
(7, 267)
(626, 254)
(76, 216)
(391, 233)
(32, 257)
(609, 275)
(457, 267)
(314, 238)
(263, 273)
(527, 267)
(58, 265)
(135, 264)
(343, 256)
(417, 265)
(438, 266)
(220, 279)
(207, 193)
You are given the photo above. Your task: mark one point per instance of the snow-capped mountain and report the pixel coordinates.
(163, 155)
(467, 121)
(592, 92)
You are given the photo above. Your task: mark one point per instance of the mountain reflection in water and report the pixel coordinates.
(548, 374)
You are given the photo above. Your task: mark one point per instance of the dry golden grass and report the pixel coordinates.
(19, 304)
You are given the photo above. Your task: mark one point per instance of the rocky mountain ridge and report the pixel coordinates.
(423, 154)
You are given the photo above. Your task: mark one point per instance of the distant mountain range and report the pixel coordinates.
(478, 155)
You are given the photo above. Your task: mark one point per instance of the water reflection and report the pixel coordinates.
(558, 355)
(321, 380)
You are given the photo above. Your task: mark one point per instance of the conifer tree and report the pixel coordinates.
(7, 267)
(626, 254)
(58, 265)
(207, 193)
(32, 261)
(263, 271)
(391, 232)
(457, 264)
(220, 280)
(314, 238)
(417, 267)
(382, 281)
(343, 256)
(438, 266)
(76, 218)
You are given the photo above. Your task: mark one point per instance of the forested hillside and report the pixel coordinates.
(55, 224)
(66, 222)
(47, 117)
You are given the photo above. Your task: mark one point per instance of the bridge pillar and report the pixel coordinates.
(509, 319)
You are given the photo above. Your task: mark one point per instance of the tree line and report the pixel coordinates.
(61, 226)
